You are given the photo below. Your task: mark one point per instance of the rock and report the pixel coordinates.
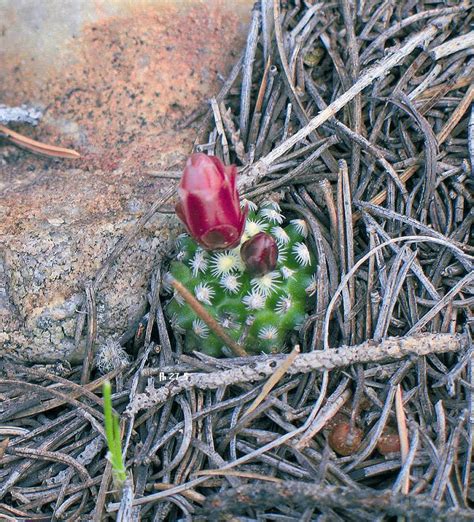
(115, 92)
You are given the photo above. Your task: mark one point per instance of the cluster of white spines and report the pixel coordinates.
(301, 226)
(253, 227)
(223, 263)
(228, 321)
(175, 324)
(200, 328)
(301, 253)
(254, 300)
(281, 237)
(313, 286)
(268, 333)
(231, 283)
(178, 297)
(283, 304)
(286, 272)
(272, 212)
(250, 204)
(199, 262)
(267, 283)
(204, 293)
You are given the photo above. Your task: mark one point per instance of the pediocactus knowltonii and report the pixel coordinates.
(258, 312)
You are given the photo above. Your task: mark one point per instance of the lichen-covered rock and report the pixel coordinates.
(258, 312)
(45, 266)
(119, 91)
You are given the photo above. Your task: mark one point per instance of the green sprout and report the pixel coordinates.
(112, 433)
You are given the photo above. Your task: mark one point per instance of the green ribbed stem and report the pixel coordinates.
(258, 312)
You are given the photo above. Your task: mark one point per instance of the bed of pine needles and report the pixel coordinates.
(358, 117)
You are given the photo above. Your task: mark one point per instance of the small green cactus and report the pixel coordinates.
(258, 312)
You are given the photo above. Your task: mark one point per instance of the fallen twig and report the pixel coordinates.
(389, 349)
(207, 318)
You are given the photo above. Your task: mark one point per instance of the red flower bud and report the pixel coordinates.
(209, 203)
(259, 254)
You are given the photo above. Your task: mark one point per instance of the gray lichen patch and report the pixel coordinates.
(44, 267)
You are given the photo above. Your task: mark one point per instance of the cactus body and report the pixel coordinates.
(258, 312)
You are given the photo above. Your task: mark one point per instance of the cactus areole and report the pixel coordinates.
(259, 307)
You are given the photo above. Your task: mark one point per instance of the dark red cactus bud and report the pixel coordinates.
(209, 203)
(259, 254)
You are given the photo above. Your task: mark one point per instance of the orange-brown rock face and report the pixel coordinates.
(114, 80)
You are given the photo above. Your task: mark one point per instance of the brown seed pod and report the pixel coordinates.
(345, 441)
(389, 441)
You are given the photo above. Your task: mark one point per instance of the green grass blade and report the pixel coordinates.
(112, 433)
